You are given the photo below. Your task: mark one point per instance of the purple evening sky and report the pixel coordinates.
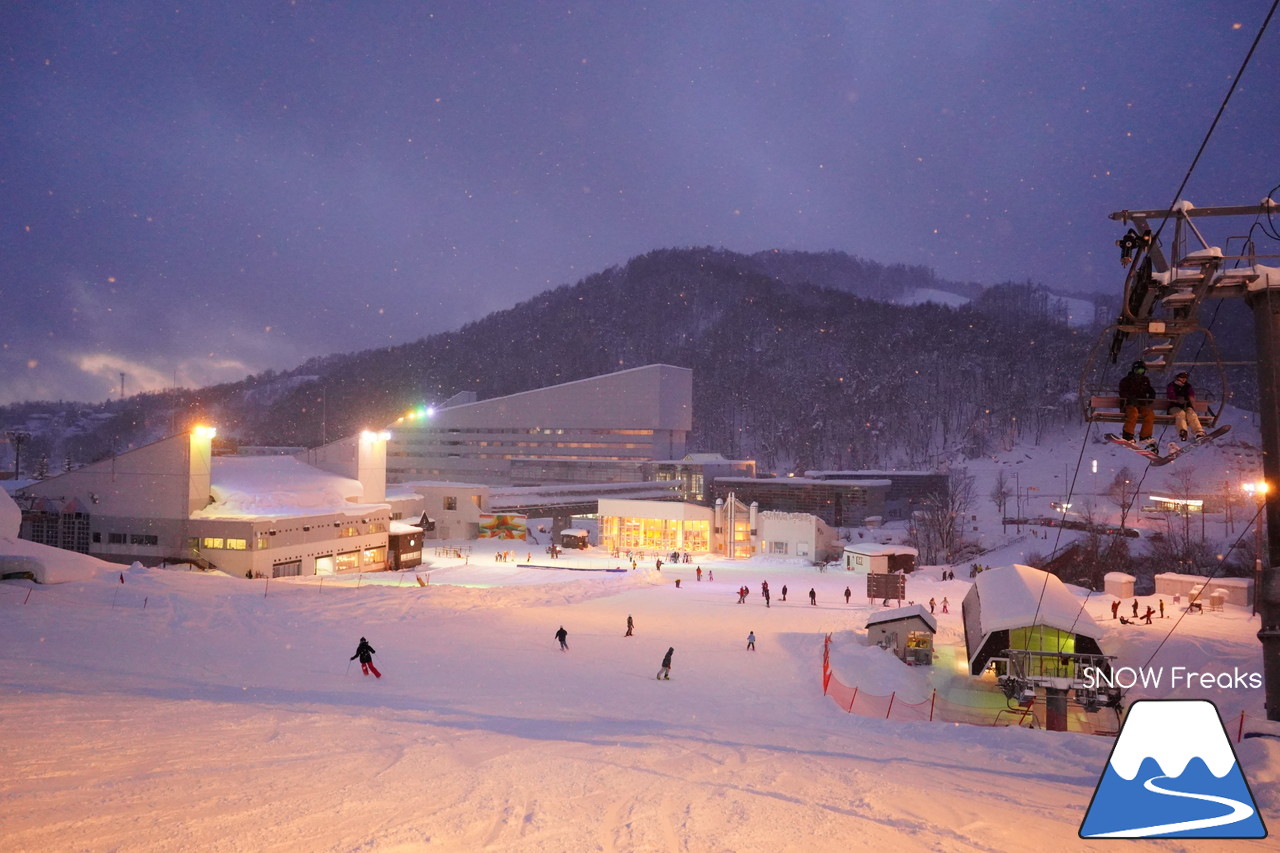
(197, 191)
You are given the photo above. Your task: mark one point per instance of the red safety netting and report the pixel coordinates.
(891, 707)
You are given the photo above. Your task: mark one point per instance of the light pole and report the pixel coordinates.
(1259, 492)
(17, 437)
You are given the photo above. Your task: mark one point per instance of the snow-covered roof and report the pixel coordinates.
(400, 528)
(574, 531)
(1118, 576)
(796, 481)
(10, 516)
(279, 487)
(897, 614)
(1019, 596)
(872, 549)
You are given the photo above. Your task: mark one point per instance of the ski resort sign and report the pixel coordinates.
(1173, 774)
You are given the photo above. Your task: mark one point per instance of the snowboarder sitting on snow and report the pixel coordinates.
(1182, 399)
(365, 652)
(1137, 396)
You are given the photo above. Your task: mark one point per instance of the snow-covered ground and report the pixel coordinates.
(225, 715)
(190, 711)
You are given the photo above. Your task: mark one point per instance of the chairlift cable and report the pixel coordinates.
(1235, 82)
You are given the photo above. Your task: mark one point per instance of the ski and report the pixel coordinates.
(1187, 448)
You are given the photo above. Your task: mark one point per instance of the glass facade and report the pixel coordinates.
(654, 534)
(1041, 638)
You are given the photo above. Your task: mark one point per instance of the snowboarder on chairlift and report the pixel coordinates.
(1137, 397)
(365, 652)
(1182, 400)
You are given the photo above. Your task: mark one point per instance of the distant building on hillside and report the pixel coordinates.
(839, 503)
(698, 472)
(605, 429)
(907, 489)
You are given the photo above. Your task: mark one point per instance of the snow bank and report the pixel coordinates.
(10, 515)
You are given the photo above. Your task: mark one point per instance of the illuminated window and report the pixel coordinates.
(237, 545)
(211, 542)
(450, 503)
(347, 562)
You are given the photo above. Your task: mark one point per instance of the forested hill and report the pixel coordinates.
(786, 372)
(791, 373)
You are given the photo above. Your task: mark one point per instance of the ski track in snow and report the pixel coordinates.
(221, 718)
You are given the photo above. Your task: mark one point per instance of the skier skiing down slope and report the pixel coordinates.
(563, 636)
(365, 652)
(1137, 396)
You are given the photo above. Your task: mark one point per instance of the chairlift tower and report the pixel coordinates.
(1163, 295)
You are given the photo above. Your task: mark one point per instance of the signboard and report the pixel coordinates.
(885, 586)
(502, 526)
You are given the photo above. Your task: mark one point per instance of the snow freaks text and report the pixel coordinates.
(1174, 677)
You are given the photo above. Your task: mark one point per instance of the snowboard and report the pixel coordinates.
(1178, 450)
(1187, 448)
(1135, 447)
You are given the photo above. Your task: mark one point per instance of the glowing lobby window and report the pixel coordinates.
(1041, 638)
(654, 534)
(212, 542)
(375, 555)
(237, 545)
(741, 539)
(348, 561)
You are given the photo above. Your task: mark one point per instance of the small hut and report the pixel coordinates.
(1024, 609)
(1118, 584)
(879, 559)
(908, 631)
